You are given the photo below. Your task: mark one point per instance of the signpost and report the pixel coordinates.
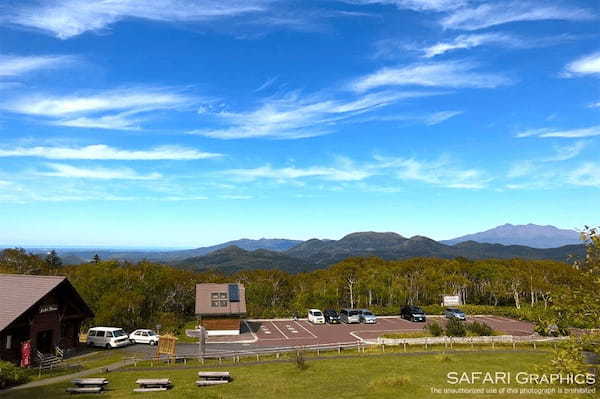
(199, 333)
(451, 300)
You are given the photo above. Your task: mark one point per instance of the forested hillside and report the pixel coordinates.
(134, 295)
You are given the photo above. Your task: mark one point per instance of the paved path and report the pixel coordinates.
(69, 377)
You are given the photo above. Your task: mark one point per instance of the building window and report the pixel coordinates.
(218, 299)
(9, 342)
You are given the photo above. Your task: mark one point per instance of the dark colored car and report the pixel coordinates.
(412, 313)
(331, 316)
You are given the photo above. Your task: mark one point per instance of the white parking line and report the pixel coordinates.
(277, 328)
(306, 329)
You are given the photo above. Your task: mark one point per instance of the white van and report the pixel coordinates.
(315, 316)
(107, 337)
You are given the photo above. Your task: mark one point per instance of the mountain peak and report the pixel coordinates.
(531, 235)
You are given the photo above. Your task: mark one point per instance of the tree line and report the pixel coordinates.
(143, 294)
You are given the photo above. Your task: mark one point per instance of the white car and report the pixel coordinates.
(315, 316)
(144, 337)
(107, 337)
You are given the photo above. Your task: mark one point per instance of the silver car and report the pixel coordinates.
(367, 317)
(349, 316)
(453, 313)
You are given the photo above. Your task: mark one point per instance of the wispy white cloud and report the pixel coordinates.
(109, 109)
(68, 18)
(439, 172)
(587, 175)
(11, 65)
(69, 171)
(568, 133)
(453, 74)
(291, 173)
(442, 172)
(267, 84)
(439, 117)
(295, 116)
(470, 41)
(497, 13)
(416, 5)
(594, 105)
(566, 152)
(587, 65)
(549, 171)
(104, 152)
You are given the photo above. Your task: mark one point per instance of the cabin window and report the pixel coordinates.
(218, 299)
(9, 342)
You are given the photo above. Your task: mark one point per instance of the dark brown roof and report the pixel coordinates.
(19, 292)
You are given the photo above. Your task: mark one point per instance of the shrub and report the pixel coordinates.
(435, 329)
(415, 334)
(11, 375)
(455, 328)
(390, 381)
(479, 328)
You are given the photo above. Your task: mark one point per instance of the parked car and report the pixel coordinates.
(107, 337)
(367, 317)
(331, 316)
(144, 337)
(349, 316)
(453, 313)
(412, 313)
(315, 316)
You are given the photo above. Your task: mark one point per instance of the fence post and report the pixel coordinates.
(514, 345)
(534, 345)
(404, 346)
(339, 349)
(257, 357)
(493, 346)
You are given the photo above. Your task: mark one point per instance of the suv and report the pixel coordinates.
(367, 317)
(412, 313)
(315, 316)
(143, 337)
(107, 337)
(349, 316)
(453, 313)
(331, 316)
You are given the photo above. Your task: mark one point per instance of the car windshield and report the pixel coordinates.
(416, 310)
(353, 312)
(454, 310)
(119, 333)
(368, 313)
(151, 333)
(318, 313)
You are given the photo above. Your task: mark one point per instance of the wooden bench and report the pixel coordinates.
(100, 382)
(152, 384)
(84, 390)
(208, 378)
(88, 385)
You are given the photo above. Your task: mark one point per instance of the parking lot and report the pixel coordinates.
(280, 333)
(301, 332)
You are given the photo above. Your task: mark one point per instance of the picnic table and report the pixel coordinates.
(208, 378)
(88, 385)
(152, 384)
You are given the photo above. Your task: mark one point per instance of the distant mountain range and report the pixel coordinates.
(297, 256)
(530, 235)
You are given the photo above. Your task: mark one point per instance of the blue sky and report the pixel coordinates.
(188, 123)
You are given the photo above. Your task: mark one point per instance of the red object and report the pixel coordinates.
(26, 354)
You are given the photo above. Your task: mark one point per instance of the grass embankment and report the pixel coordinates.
(364, 377)
(79, 363)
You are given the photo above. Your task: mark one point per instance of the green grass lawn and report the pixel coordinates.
(410, 376)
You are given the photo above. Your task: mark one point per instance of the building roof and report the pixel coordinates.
(19, 292)
(234, 299)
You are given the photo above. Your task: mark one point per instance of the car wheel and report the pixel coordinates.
(107, 346)
(132, 341)
(152, 343)
(412, 318)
